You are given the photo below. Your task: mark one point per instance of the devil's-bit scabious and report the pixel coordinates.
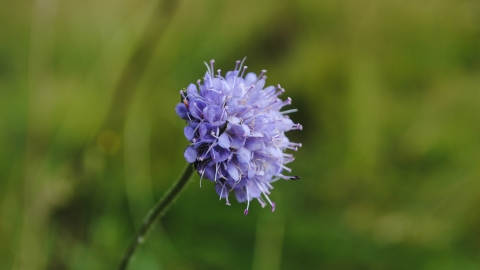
(237, 133)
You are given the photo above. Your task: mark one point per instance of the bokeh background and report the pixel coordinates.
(388, 93)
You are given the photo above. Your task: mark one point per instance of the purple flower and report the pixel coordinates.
(237, 133)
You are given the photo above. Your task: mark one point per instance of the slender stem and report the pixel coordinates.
(157, 211)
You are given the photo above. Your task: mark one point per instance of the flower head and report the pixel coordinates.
(237, 133)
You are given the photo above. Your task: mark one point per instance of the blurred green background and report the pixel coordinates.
(388, 93)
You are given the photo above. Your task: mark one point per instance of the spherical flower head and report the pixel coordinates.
(237, 133)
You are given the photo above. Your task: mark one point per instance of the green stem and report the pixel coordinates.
(157, 211)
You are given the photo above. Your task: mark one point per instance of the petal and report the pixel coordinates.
(260, 84)
(221, 190)
(189, 132)
(237, 134)
(205, 132)
(233, 171)
(224, 140)
(237, 142)
(212, 113)
(190, 154)
(238, 130)
(209, 114)
(210, 172)
(234, 120)
(251, 172)
(250, 79)
(219, 154)
(181, 110)
(253, 190)
(196, 106)
(240, 195)
(253, 144)
(192, 90)
(246, 130)
(243, 155)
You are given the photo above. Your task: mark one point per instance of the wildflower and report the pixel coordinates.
(237, 133)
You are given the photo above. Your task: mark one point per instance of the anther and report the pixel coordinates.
(261, 75)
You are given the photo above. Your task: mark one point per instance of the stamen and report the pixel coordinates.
(273, 94)
(271, 203)
(241, 64)
(211, 66)
(289, 111)
(286, 168)
(293, 146)
(295, 177)
(262, 203)
(278, 104)
(226, 199)
(248, 201)
(208, 69)
(223, 188)
(206, 152)
(260, 76)
(182, 94)
(201, 176)
(216, 171)
(250, 88)
(196, 116)
(243, 71)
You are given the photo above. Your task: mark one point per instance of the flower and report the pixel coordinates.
(237, 133)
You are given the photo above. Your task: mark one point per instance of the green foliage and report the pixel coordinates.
(387, 92)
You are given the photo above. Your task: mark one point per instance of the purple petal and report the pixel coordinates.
(219, 154)
(260, 84)
(212, 113)
(181, 110)
(251, 172)
(205, 131)
(224, 140)
(190, 154)
(210, 172)
(233, 171)
(240, 195)
(246, 130)
(250, 79)
(253, 190)
(221, 190)
(243, 155)
(237, 142)
(234, 120)
(189, 132)
(192, 90)
(253, 144)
